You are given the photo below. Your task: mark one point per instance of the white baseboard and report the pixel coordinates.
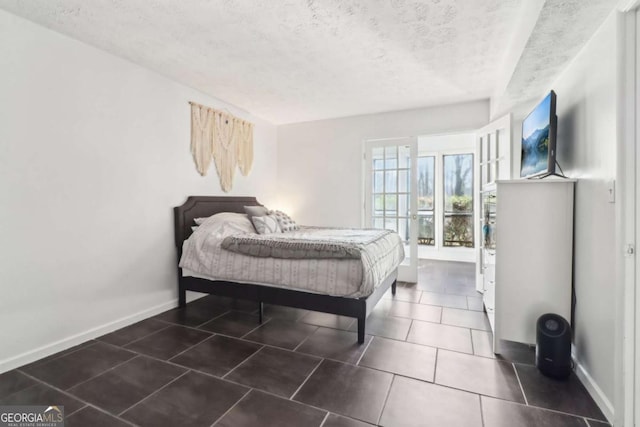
(594, 390)
(65, 343)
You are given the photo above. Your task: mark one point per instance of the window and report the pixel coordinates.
(458, 200)
(391, 188)
(426, 201)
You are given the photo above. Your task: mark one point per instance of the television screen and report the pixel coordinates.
(538, 139)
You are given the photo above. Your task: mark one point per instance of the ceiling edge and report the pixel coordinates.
(628, 5)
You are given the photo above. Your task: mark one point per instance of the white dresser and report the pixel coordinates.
(527, 254)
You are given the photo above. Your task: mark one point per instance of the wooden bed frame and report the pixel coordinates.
(204, 206)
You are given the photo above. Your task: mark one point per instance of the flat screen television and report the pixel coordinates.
(539, 130)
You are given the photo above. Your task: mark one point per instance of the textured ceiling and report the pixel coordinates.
(562, 28)
(296, 60)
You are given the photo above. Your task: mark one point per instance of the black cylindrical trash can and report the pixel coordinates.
(553, 346)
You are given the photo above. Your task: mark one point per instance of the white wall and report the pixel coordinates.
(320, 163)
(586, 150)
(455, 141)
(94, 153)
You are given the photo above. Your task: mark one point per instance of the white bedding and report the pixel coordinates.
(202, 256)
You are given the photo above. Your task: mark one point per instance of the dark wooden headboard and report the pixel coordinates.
(204, 206)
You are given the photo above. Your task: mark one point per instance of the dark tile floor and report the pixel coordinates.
(426, 361)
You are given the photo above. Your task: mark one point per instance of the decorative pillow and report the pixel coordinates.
(267, 224)
(285, 221)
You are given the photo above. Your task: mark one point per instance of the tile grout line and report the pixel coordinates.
(88, 379)
(435, 365)
(155, 392)
(257, 390)
(247, 341)
(351, 324)
(386, 399)
(365, 350)
(143, 337)
(406, 336)
(39, 361)
(330, 327)
(192, 346)
(541, 408)
(440, 323)
(526, 401)
(305, 339)
(215, 377)
(243, 362)
(104, 412)
(306, 379)
(182, 325)
(211, 320)
(73, 396)
(481, 411)
(137, 339)
(325, 419)
(66, 416)
(104, 372)
(473, 347)
(198, 326)
(232, 406)
(259, 326)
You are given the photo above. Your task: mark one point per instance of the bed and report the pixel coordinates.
(354, 305)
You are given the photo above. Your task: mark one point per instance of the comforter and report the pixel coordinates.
(338, 262)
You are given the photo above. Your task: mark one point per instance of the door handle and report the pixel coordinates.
(414, 217)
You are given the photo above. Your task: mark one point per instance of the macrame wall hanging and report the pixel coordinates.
(223, 138)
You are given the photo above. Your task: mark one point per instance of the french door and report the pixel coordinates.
(390, 183)
(493, 163)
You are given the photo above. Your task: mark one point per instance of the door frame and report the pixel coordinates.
(632, 283)
(627, 199)
(438, 251)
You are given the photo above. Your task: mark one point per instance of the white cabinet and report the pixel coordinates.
(527, 255)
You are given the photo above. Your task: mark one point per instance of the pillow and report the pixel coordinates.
(267, 224)
(284, 221)
(256, 211)
(239, 220)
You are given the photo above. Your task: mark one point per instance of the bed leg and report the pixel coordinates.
(260, 311)
(361, 323)
(393, 287)
(182, 296)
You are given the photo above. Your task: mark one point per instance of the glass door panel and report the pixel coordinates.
(458, 224)
(390, 179)
(426, 202)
